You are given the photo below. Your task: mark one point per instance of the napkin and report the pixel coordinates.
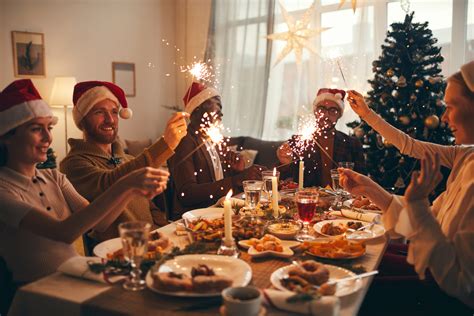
(324, 306)
(78, 267)
(366, 216)
(234, 202)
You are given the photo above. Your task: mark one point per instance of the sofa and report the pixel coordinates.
(265, 150)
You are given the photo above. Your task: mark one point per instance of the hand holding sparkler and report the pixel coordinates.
(176, 129)
(357, 103)
(285, 154)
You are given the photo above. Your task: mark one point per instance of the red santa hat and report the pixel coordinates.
(196, 95)
(89, 93)
(20, 102)
(467, 72)
(335, 95)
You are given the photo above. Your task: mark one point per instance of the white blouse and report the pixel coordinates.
(442, 235)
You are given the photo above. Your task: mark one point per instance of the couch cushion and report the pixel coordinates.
(266, 151)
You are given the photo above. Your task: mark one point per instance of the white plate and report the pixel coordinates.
(284, 243)
(238, 270)
(348, 204)
(101, 250)
(335, 273)
(375, 232)
(204, 213)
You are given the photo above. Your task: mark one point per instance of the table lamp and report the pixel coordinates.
(61, 97)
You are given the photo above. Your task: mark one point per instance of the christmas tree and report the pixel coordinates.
(50, 162)
(407, 91)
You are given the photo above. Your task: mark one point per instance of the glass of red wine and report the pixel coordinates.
(306, 201)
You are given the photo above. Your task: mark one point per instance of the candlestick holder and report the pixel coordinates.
(228, 248)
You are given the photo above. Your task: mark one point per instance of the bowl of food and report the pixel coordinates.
(284, 229)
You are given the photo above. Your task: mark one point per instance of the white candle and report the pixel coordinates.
(228, 219)
(275, 194)
(301, 175)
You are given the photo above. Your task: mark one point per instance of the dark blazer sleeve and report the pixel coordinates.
(358, 154)
(192, 179)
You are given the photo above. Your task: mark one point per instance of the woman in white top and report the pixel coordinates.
(41, 213)
(441, 235)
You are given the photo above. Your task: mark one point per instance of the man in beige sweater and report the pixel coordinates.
(96, 162)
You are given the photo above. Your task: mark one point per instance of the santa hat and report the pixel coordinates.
(89, 93)
(196, 95)
(467, 72)
(335, 95)
(20, 102)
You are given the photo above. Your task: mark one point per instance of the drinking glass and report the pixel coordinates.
(346, 164)
(337, 188)
(306, 201)
(134, 237)
(267, 182)
(253, 192)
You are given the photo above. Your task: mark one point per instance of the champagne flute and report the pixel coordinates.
(134, 237)
(306, 201)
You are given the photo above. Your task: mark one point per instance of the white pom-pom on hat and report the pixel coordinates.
(125, 113)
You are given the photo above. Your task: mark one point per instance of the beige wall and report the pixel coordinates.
(192, 24)
(83, 37)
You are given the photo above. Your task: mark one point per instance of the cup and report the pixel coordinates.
(267, 181)
(242, 300)
(253, 191)
(335, 176)
(306, 202)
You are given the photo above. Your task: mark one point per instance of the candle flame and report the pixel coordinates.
(229, 195)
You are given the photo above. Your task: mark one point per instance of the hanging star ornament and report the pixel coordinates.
(353, 2)
(298, 35)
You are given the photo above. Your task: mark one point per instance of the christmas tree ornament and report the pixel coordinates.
(413, 115)
(402, 160)
(402, 82)
(419, 83)
(432, 121)
(405, 120)
(399, 183)
(395, 93)
(359, 132)
(434, 80)
(298, 35)
(390, 72)
(413, 98)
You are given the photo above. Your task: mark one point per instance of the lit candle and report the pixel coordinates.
(301, 175)
(228, 219)
(275, 193)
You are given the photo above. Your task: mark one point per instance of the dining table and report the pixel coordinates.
(60, 294)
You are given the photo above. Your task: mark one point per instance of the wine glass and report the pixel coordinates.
(306, 201)
(253, 192)
(267, 182)
(134, 237)
(335, 176)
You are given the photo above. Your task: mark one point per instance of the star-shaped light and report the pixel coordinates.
(298, 35)
(353, 2)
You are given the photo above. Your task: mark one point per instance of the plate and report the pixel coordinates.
(101, 250)
(286, 253)
(375, 232)
(348, 204)
(335, 273)
(238, 270)
(285, 243)
(207, 213)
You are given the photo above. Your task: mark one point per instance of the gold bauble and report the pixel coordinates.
(402, 82)
(432, 121)
(413, 98)
(405, 120)
(390, 72)
(419, 83)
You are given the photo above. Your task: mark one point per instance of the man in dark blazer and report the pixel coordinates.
(201, 172)
(328, 108)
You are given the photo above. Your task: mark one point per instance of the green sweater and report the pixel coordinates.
(92, 171)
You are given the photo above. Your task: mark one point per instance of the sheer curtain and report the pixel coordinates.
(237, 48)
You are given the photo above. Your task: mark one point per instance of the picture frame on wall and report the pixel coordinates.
(28, 54)
(123, 75)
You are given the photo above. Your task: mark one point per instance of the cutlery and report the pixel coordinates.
(368, 227)
(358, 276)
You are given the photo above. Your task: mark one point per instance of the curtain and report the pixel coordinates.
(237, 49)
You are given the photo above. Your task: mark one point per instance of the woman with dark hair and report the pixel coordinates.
(441, 235)
(41, 214)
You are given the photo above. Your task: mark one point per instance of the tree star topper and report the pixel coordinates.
(353, 3)
(298, 34)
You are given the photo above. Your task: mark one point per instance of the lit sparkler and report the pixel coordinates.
(199, 71)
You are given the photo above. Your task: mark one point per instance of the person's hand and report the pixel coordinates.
(235, 160)
(354, 182)
(423, 182)
(147, 181)
(357, 103)
(253, 172)
(176, 129)
(284, 154)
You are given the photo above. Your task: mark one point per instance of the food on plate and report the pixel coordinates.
(284, 229)
(309, 276)
(287, 184)
(202, 279)
(206, 229)
(319, 217)
(248, 228)
(335, 249)
(157, 243)
(364, 203)
(266, 243)
(332, 229)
